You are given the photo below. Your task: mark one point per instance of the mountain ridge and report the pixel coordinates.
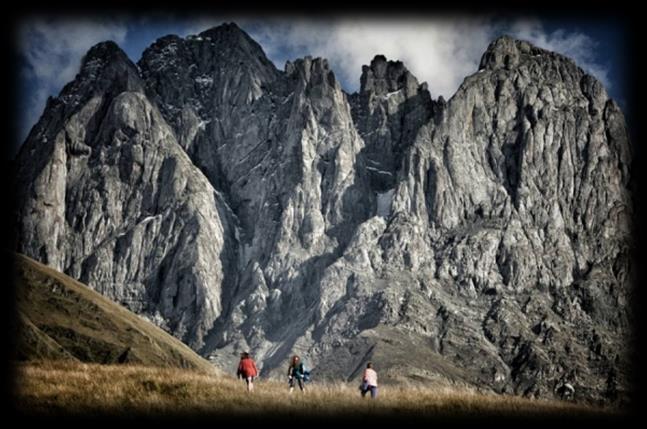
(270, 211)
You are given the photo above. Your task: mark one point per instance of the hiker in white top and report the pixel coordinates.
(369, 381)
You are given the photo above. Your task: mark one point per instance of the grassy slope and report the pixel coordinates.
(64, 323)
(61, 318)
(74, 388)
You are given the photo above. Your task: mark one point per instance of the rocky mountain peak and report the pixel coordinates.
(502, 52)
(103, 52)
(506, 52)
(388, 111)
(196, 76)
(225, 47)
(228, 31)
(382, 77)
(105, 68)
(246, 208)
(311, 71)
(108, 64)
(229, 38)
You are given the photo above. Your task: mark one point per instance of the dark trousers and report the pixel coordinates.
(372, 389)
(299, 380)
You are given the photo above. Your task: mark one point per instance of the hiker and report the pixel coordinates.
(247, 370)
(296, 372)
(369, 381)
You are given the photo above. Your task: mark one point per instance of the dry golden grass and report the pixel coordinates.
(61, 317)
(72, 388)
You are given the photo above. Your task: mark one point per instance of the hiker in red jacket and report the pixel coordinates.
(247, 370)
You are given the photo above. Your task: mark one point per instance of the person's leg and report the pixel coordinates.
(291, 384)
(301, 385)
(373, 392)
(250, 384)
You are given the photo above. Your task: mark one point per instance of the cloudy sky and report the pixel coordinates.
(440, 51)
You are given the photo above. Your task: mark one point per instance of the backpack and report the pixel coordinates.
(306, 372)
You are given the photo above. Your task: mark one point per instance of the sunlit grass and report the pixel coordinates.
(54, 387)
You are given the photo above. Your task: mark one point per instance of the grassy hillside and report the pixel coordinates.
(74, 388)
(81, 354)
(60, 318)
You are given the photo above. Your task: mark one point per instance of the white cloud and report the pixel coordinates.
(441, 52)
(53, 50)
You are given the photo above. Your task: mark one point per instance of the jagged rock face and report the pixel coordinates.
(114, 201)
(523, 184)
(483, 240)
(388, 112)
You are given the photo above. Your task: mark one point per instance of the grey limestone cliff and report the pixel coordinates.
(483, 240)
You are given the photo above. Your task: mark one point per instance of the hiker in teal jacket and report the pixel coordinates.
(296, 372)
